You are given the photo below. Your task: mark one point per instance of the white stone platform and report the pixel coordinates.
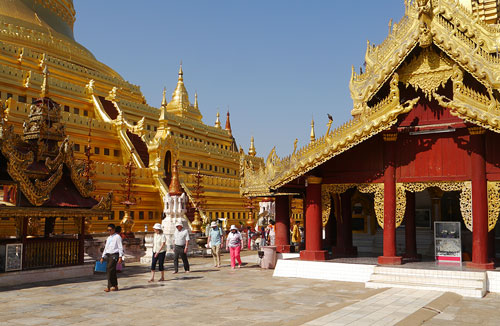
(420, 275)
(46, 274)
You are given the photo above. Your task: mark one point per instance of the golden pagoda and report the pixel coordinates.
(123, 127)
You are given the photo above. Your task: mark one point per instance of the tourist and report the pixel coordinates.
(113, 253)
(159, 252)
(271, 233)
(181, 243)
(296, 238)
(234, 244)
(249, 235)
(215, 239)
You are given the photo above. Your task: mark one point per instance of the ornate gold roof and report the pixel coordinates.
(451, 41)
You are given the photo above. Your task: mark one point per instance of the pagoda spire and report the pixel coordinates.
(175, 187)
(163, 108)
(217, 121)
(196, 100)
(251, 150)
(45, 83)
(228, 123)
(313, 134)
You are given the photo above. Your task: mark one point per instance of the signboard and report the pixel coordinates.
(11, 257)
(447, 242)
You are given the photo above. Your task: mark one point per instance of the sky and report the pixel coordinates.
(275, 64)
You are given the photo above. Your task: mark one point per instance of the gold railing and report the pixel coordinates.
(50, 252)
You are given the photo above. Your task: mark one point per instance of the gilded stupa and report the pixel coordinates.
(100, 106)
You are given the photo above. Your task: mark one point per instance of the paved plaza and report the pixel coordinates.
(246, 296)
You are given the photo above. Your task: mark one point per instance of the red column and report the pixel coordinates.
(313, 221)
(344, 246)
(410, 229)
(389, 257)
(282, 207)
(479, 202)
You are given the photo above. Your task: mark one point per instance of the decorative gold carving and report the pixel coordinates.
(312, 180)
(427, 72)
(392, 136)
(400, 204)
(465, 188)
(493, 204)
(476, 130)
(327, 190)
(378, 190)
(105, 203)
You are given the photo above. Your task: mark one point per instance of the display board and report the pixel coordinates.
(448, 242)
(11, 257)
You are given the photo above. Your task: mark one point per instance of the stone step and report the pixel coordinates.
(430, 281)
(430, 273)
(466, 292)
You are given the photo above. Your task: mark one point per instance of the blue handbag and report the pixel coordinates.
(101, 267)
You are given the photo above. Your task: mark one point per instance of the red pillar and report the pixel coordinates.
(313, 221)
(410, 229)
(344, 246)
(389, 257)
(282, 208)
(479, 202)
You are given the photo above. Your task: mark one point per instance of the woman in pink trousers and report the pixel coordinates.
(234, 243)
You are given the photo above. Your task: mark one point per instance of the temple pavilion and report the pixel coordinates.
(422, 145)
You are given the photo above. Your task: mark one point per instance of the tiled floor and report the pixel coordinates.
(386, 308)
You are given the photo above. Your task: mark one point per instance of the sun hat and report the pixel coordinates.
(233, 227)
(157, 226)
(178, 224)
(213, 224)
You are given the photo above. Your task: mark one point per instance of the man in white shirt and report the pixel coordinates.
(181, 243)
(113, 253)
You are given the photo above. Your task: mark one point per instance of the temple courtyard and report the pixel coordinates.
(246, 296)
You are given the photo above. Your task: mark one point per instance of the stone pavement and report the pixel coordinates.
(209, 296)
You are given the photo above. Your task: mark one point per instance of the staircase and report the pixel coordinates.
(465, 283)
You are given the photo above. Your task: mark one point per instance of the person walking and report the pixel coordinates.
(215, 239)
(159, 252)
(113, 253)
(296, 235)
(234, 243)
(181, 243)
(271, 232)
(250, 236)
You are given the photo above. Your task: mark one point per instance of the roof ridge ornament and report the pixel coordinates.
(45, 83)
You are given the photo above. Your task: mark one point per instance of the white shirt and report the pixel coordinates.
(234, 239)
(113, 245)
(158, 241)
(180, 237)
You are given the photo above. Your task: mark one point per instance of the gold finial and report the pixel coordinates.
(164, 99)
(217, 121)
(196, 100)
(251, 150)
(181, 73)
(45, 83)
(228, 123)
(313, 134)
(175, 188)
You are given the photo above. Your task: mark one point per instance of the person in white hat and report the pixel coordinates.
(234, 243)
(181, 243)
(215, 239)
(159, 252)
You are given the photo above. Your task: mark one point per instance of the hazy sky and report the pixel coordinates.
(273, 63)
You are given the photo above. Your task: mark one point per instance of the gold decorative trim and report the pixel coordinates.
(378, 190)
(312, 180)
(465, 188)
(390, 136)
(476, 130)
(326, 191)
(493, 203)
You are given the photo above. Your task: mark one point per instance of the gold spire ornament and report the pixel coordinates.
(313, 134)
(164, 99)
(196, 100)
(217, 121)
(228, 124)
(175, 187)
(251, 150)
(163, 108)
(45, 83)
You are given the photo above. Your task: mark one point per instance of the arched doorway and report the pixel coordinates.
(168, 167)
